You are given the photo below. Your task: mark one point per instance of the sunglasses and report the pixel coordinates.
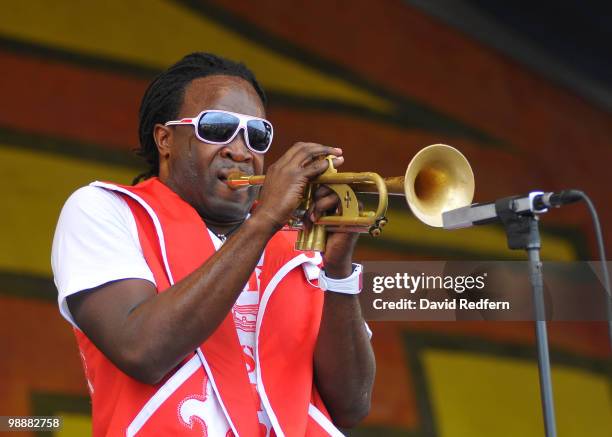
(221, 127)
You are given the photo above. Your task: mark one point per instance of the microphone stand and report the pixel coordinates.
(519, 215)
(522, 232)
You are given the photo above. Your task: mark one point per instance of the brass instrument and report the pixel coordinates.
(438, 178)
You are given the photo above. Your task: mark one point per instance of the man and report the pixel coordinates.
(153, 276)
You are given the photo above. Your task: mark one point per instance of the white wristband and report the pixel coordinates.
(350, 285)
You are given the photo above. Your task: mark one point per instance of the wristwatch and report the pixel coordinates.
(349, 285)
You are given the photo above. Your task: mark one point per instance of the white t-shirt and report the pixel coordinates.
(96, 242)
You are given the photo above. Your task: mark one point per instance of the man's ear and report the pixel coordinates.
(163, 136)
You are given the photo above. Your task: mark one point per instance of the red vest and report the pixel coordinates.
(175, 241)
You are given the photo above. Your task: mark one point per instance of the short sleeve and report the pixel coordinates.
(95, 242)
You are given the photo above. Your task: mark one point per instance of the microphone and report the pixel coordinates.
(536, 202)
(555, 200)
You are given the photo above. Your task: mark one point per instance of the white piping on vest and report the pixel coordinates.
(280, 274)
(144, 413)
(161, 395)
(156, 223)
(214, 386)
(323, 421)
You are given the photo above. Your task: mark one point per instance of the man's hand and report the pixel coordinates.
(344, 360)
(285, 184)
(287, 178)
(338, 254)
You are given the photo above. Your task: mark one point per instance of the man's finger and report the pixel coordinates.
(322, 191)
(317, 168)
(299, 147)
(314, 157)
(308, 153)
(327, 204)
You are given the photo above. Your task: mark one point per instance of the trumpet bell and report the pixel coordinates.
(439, 178)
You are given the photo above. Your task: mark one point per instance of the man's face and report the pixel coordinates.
(197, 170)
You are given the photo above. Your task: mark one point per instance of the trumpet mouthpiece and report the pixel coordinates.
(241, 180)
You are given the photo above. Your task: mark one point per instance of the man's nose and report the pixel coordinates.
(237, 150)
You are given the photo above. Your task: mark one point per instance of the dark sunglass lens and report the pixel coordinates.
(217, 126)
(260, 134)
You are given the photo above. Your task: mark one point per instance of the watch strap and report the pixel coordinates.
(349, 285)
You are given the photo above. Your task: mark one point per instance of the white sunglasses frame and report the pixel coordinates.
(242, 125)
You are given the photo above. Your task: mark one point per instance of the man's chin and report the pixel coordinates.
(230, 209)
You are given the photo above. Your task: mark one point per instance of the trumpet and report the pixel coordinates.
(438, 178)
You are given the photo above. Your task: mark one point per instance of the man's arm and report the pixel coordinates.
(146, 334)
(344, 360)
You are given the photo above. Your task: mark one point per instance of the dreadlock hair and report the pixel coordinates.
(164, 96)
